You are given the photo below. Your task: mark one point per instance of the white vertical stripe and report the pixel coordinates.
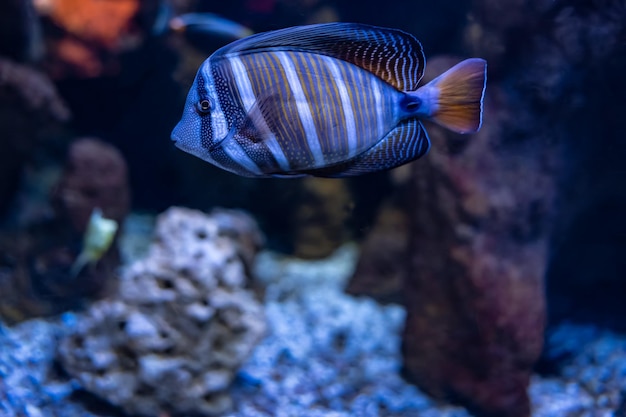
(397, 75)
(304, 111)
(236, 153)
(346, 104)
(219, 124)
(375, 58)
(412, 71)
(244, 87)
(277, 151)
(221, 131)
(379, 109)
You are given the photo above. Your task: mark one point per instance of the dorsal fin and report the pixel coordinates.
(395, 56)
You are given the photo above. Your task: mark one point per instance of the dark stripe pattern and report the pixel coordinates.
(236, 115)
(206, 130)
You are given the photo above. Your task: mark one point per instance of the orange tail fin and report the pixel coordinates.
(459, 96)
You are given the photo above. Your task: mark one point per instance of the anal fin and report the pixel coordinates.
(405, 143)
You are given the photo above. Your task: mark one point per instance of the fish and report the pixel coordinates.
(96, 242)
(210, 24)
(326, 100)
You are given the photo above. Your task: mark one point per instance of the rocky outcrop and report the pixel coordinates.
(182, 324)
(478, 243)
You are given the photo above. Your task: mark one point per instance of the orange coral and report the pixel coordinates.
(100, 21)
(78, 56)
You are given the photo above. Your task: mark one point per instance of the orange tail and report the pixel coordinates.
(458, 95)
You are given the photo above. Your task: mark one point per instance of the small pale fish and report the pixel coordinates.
(96, 242)
(329, 100)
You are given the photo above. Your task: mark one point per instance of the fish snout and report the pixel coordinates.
(187, 137)
(175, 135)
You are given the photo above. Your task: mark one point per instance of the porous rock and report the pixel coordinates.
(28, 387)
(180, 328)
(244, 231)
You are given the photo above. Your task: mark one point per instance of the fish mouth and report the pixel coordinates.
(175, 136)
(178, 138)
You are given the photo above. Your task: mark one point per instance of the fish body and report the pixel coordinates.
(331, 100)
(96, 242)
(207, 25)
(210, 24)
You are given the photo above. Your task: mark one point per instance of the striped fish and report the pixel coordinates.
(330, 100)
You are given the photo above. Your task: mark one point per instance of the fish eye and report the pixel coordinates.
(203, 106)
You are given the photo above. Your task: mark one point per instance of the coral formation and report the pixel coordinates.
(326, 353)
(89, 42)
(181, 326)
(94, 175)
(26, 357)
(83, 18)
(243, 230)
